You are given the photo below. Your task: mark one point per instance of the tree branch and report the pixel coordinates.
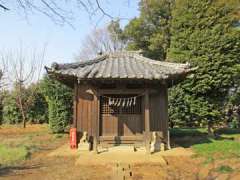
(4, 7)
(103, 11)
(61, 13)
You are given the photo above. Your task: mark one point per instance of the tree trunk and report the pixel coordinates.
(238, 115)
(21, 105)
(22, 112)
(24, 119)
(210, 128)
(238, 119)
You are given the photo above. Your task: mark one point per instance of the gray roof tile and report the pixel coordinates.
(121, 65)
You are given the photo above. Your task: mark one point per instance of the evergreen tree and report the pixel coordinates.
(203, 33)
(59, 99)
(150, 32)
(38, 110)
(10, 111)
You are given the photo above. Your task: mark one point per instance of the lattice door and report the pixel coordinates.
(120, 120)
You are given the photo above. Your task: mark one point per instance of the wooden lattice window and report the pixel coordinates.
(106, 108)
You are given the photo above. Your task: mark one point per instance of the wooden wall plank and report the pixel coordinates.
(164, 111)
(85, 108)
(155, 112)
(154, 115)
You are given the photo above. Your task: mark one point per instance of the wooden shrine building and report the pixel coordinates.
(119, 98)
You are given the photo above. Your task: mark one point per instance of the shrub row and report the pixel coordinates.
(48, 101)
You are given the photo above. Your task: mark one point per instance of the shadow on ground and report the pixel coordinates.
(228, 131)
(187, 137)
(13, 170)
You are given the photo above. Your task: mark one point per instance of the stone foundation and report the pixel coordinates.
(157, 142)
(84, 144)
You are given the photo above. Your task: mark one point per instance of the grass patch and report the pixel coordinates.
(12, 155)
(220, 148)
(209, 160)
(17, 144)
(224, 169)
(226, 145)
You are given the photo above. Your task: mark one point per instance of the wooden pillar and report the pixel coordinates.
(75, 104)
(164, 115)
(147, 121)
(167, 118)
(96, 123)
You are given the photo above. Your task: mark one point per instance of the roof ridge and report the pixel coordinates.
(75, 65)
(123, 53)
(161, 63)
(97, 59)
(94, 60)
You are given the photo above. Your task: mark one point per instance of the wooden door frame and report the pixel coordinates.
(123, 91)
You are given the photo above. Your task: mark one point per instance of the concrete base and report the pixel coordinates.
(119, 154)
(121, 149)
(84, 146)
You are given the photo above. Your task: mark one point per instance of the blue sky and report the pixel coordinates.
(63, 42)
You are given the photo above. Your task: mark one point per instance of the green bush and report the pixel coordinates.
(192, 132)
(38, 111)
(11, 112)
(59, 98)
(35, 106)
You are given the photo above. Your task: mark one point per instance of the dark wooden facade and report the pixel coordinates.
(121, 125)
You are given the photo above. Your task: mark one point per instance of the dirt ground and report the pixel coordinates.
(50, 163)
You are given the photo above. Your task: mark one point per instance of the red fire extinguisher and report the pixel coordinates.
(73, 138)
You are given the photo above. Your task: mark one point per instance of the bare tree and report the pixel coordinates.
(23, 69)
(1, 95)
(104, 40)
(60, 11)
(1, 75)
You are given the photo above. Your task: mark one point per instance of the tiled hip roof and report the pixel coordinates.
(121, 65)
